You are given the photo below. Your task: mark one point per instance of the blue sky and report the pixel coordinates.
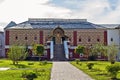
(95, 11)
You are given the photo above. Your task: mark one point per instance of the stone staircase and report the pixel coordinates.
(59, 54)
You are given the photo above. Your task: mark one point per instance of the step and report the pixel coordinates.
(59, 53)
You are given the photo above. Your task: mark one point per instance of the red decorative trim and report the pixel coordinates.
(7, 37)
(41, 37)
(105, 37)
(75, 38)
(48, 54)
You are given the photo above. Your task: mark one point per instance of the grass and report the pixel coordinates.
(99, 69)
(15, 71)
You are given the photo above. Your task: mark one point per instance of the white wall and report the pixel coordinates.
(115, 34)
(2, 45)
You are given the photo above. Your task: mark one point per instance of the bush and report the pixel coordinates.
(80, 64)
(43, 62)
(31, 63)
(113, 70)
(29, 75)
(77, 61)
(90, 65)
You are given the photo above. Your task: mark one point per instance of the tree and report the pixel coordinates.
(112, 53)
(34, 46)
(38, 49)
(17, 53)
(98, 48)
(80, 49)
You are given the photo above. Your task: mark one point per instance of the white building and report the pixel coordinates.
(113, 37)
(2, 44)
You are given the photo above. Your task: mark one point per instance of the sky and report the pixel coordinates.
(95, 11)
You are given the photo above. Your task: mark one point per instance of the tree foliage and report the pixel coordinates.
(79, 49)
(112, 53)
(98, 48)
(38, 49)
(113, 70)
(17, 53)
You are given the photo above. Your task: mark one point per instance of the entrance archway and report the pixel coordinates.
(58, 35)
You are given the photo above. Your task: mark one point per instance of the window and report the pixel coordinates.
(111, 39)
(98, 40)
(69, 39)
(79, 39)
(35, 38)
(26, 38)
(89, 39)
(16, 38)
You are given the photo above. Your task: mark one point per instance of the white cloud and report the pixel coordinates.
(21, 10)
(96, 11)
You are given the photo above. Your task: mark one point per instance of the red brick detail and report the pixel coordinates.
(105, 37)
(75, 38)
(74, 55)
(48, 54)
(7, 38)
(41, 37)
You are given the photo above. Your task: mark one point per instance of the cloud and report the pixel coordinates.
(2, 25)
(96, 11)
(1, 1)
(21, 10)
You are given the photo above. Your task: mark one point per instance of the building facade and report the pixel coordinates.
(55, 32)
(2, 49)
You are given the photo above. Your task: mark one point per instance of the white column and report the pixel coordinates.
(51, 49)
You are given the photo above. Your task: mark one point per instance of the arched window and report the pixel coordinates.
(80, 39)
(112, 39)
(89, 39)
(35, 38)
(98, 39)
(16, 38)
(25, 37)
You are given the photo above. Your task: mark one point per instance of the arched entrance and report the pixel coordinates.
(58, 35)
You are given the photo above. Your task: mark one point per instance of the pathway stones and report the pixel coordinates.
(66, 71)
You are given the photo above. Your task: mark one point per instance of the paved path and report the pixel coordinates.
(3, 69)
(65, 71)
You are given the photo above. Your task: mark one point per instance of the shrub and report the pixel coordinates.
(77, 61)
(31, 63)
(29, 75)
(90, 65)
(43, 62)
(80, 64)
(113, 70)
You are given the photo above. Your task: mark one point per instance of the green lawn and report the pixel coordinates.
(15, 72)
(98, 72)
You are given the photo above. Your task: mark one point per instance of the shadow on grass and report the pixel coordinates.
(1, 61)
(102, 74)
(21, 66)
